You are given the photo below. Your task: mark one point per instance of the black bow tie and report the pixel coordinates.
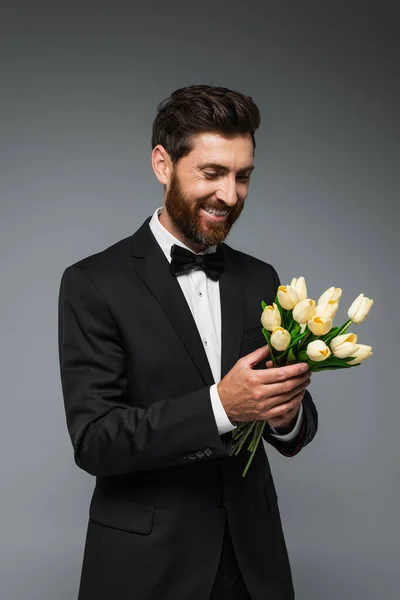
(184, 260)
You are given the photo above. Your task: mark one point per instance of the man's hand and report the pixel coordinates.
(273, 394)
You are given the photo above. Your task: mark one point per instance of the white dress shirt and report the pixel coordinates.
(202, 296)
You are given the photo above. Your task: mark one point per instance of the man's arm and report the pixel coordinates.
(111, 435)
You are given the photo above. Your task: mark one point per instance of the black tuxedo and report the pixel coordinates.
(136, 385)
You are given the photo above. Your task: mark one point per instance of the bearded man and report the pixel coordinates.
(161, 355)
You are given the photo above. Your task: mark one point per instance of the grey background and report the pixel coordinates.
(79, 90)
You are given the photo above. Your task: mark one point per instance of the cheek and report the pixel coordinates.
(199, 190)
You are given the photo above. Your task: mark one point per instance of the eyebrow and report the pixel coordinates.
(218, 167)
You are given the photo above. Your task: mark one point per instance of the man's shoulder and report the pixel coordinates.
(107, 258)
(105, 269)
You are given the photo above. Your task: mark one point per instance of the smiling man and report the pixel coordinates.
(161, 354)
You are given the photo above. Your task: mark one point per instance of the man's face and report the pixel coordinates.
(215, 176)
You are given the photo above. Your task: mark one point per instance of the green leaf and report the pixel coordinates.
(267, 335)
(282, 311)
(291, 358)
(263, 305)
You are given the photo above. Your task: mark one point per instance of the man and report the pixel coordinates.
(161, 354)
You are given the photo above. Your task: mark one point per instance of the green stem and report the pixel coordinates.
(254, 445)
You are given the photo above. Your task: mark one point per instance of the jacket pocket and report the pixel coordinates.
(134, 517)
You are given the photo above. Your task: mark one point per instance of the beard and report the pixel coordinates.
(186, 216)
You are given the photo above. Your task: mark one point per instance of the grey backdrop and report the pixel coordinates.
(79, 90)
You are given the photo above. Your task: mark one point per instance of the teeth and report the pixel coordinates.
(218, 213)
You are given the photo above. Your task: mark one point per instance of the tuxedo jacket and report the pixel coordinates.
(136, 382)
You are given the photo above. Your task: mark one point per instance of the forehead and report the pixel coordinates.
(233, 151)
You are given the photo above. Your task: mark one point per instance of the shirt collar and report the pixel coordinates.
(165, 239)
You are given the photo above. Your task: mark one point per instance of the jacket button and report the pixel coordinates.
(220, 502)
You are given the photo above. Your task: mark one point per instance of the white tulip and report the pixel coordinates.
(331, 293)
(271, 317)
(360, 354)
(320, 325)
(303, 327)
(344, 345)
(318, 351)
(287, 296)
(304, 310)
(327, 310)
(299, 285)
(360, 308)
(280, 338)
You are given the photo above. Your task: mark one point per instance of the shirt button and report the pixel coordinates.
(200, 294)
(205, 343)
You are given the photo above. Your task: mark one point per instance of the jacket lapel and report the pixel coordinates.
(153, 268)
(231, 289)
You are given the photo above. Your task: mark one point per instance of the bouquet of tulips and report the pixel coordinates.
(298, 329)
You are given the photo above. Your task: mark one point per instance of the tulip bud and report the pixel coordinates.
(327, 310)
(304, 310)
(303, 327)
(331, 293)
(280, 339)
(320, 325)
(344, 345)
(362, 352)
(360, 308)
(287, 296)
(271, 317)
(299, 285)
(318, 351)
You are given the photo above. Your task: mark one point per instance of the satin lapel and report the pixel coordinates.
(153, 268)
(232, 313)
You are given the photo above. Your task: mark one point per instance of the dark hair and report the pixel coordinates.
(202, 108)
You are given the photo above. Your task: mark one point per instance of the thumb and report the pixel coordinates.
(258, 355)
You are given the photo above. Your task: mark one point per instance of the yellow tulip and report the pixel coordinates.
(360, 308)
(304, 310)
(360, 354)
(320, 325)
(280, 338)
(327, 310)
(287, 296)
(331, 293)
(344, 345)
(299, 285)
(318, 351)
(271, 317)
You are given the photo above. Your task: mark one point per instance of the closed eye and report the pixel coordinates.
(216, 175)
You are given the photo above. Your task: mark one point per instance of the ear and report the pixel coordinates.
(161, 163)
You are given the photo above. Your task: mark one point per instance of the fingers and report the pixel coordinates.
(257, 356)
(282, 374)
(284, 390)
(280, 394)
(284, 409)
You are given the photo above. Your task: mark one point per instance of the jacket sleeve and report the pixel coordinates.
(307, 431)
(309, 424)
(109, 434)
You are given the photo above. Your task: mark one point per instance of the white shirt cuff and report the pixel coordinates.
(288, 437)
(221, 418)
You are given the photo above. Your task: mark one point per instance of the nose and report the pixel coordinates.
(227, 191)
